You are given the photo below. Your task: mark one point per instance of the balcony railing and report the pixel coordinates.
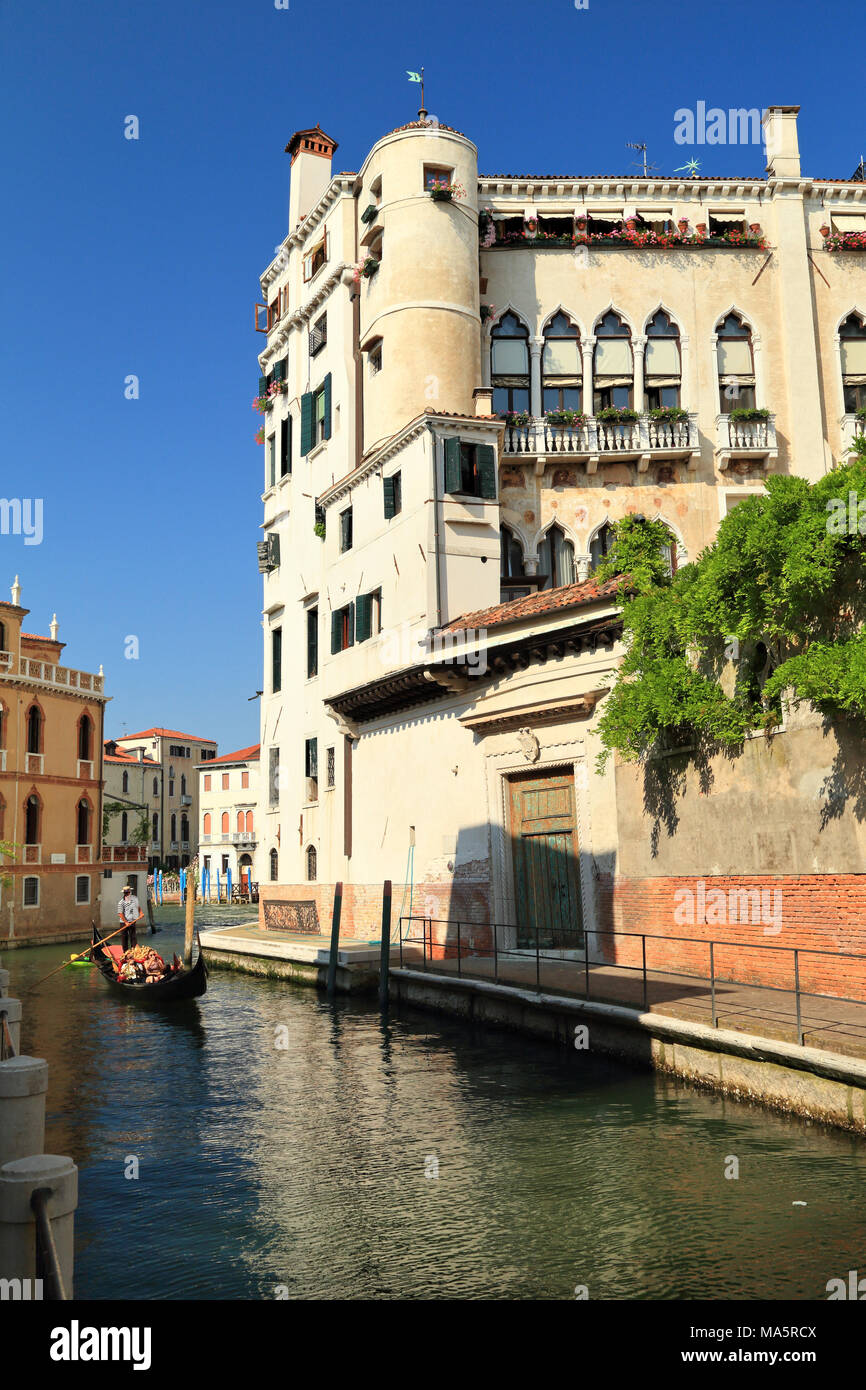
(123, 854)
(47, 673)
(597, 441)
(745, 439)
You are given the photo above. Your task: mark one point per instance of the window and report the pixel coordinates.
(245, 780)
(392, 489)
(346, 529)
(470, 468)
(124, 828)
(171, 788)
(315, 416)
(604, 221)
(722, 222)
(556, 559)
(85, 738)
(32, 819)
(225, 781)
(273, 777)
(3, 637)
(207, 781)
(240, 822)
(368, 615)
(124, 782)
(272, 460)
(206, 822)
(285, 450)
(311, 864)
(662, 362)
(562, 369)
(156, 786)
(312, 643)
(224, 823)
(34, 729)
(155, 828)
(311, 768)
(375, 357)
(600, 545)
(511, 567)
(249, 823)
(174, 828)
(852, 342)
(274, 862)
(613, 372)
(82, 889)
(276, 659)
(184, 828)
(330, 768)
(342, 628)
(509, 365)
(318, 335)
(437, 176)
(735, 365)
(207, 754)
(31, 892)
(183, 784)
(82, 821)
(316, 258)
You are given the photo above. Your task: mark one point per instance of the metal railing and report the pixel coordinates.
(488, 951)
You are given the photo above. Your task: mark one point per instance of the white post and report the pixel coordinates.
(23, 1083)
(639, 346)
(18, 1181)
(535, 348)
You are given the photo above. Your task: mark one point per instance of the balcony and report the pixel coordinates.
(47, 673)
(84, 854)
(852, 428)
(604, 441)
(32, 854)
(33, 763)
(749, 440)
(123, 854)
(6, 660)
(185, 800)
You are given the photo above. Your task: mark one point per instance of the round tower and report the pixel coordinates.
(420, 326)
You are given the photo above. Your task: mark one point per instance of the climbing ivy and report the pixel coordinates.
(776, 604)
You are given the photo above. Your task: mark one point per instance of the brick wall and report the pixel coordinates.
(813, 912)
(361, 913)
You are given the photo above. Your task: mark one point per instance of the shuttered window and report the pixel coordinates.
(276, 659)
(393, 495)
(286, 447)
(346, 529)
(342, 628)
(312, 642)
(368, 615)
(306, 423)
(452, 465)
(470, 469)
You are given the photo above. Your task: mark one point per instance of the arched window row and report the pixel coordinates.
(852, 345)
(555, 565)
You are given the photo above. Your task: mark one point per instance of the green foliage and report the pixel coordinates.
(776, 604)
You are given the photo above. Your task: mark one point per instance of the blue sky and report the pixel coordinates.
(141, 257)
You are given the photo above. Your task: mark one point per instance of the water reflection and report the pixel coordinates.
(304, 1166)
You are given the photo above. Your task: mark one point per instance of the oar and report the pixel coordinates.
(80, 956)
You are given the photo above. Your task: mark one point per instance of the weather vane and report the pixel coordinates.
(418, 77)
(690, 167)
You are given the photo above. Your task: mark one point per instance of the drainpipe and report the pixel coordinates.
(356, 353)
(436, 533)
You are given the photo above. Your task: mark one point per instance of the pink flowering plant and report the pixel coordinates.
(845, 241)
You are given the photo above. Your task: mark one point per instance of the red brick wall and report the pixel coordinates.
(813, 912)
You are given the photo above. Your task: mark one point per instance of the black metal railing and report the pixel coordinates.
(486, 950)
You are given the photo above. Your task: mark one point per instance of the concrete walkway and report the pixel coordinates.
(770, 1013)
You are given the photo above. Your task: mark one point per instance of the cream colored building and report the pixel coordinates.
(172, 790)
(228, 802)
(403, 706)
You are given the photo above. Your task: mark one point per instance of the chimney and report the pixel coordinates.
(311, 152)
(780, 141)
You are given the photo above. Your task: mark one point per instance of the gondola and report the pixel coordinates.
(185, 984)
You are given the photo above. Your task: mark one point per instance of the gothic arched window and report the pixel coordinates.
(613, 366)
(662, 364)
(556, 559)
(736, 365)
(509, 365)
(561, 365)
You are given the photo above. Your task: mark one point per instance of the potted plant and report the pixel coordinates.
(531, 226)
(488, 311)
(319, 529)
(261, 403)
(750, 412)
(824, 230)
(861, 413)
(369, 267)
(617, 414)
(260, 435)
(441, 191)
(667, 414)
(516, 417)
(755, 228)
(683, 224)
(572, 418)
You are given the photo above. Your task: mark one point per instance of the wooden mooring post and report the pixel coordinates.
(335, 938)
(385, 944)
(190, 917)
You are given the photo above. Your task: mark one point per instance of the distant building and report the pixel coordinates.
(228, 794)
(51, 724)
(173, 791)
(130, 798)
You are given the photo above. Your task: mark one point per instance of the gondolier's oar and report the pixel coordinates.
(80, 955)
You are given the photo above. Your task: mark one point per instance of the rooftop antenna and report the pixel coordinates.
(631, 145)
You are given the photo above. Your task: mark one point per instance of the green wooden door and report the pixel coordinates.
(544, 847)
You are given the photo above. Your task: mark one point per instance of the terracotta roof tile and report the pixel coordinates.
(547, 601)
(243, 755)
(164, 733)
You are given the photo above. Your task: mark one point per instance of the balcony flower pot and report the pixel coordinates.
(319, 529)
(750, 413)
(825, 231)
(755, 228)
(861, 413)
(573, 419)
(442, 195)
(617, 415)
(487, 311)
(369, 268)
(516, 417)
(668, 414)
(260, 435)
(683, 224)
(701, 228)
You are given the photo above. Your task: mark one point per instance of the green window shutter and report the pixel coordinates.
(326, 387)
(263, 385)
(336, 630)
(363, 617)
(487, 470)
(280, 369)
(452, 465)
(388, 486)
(351, 616)
(306, 423)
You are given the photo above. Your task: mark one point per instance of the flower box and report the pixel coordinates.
(617, 415)
(750, 413)
(370, 266)
(573, 419)
(845, 241)
(667, 414)
(516, 417)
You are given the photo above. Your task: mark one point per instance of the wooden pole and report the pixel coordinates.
(385, 944)
(335, 938)
(190, 917)
(150, 911)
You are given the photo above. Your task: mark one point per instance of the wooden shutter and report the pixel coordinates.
(452, 466)
(487, 471)
(312, 642)
(363, 617)
(388, 487)
(336, 629)
(306, 423)
(350, 614)
(263, 385)
(326, 387)
(280, 369)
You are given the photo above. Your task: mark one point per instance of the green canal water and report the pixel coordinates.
(307, 1168)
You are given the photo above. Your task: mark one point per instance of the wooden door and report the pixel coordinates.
(544, 850)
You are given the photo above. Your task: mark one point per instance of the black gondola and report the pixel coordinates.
(184, 984)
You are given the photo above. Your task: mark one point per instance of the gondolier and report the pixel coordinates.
(129, 914)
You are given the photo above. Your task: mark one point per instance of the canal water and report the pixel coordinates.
(285, 1146)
